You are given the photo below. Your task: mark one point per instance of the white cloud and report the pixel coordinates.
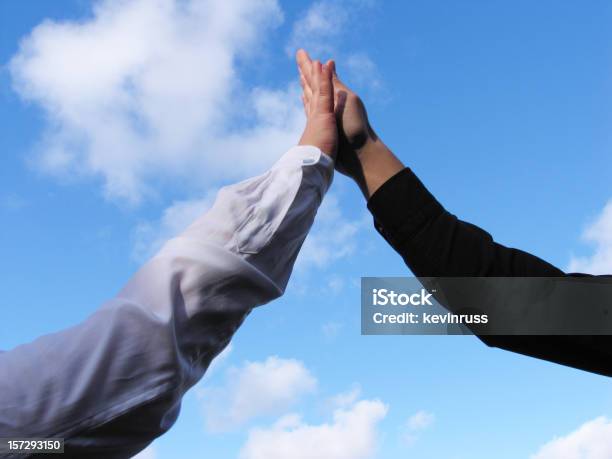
(420, 420)
(598, 233)
(150, 236)
(149, 88)
(318, 28)
(345, 399)
(335, 283)
(255, 389)
(147, 91)
(416, 424)
(148, 453)
(592, 440)
(362, 71)
(333, 237)
(352, 434)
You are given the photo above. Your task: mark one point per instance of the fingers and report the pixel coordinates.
(305, 88)
(332, 67)
(317, 78)
(302, 57)
(325, 91)
(315, 73)
(305, 66)
(305, 69)
(317, 82)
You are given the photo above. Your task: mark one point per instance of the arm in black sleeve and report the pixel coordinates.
(435, 243)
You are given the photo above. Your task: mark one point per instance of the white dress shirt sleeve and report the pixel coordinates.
(113, 383)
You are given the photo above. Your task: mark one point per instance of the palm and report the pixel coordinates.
(321, 129)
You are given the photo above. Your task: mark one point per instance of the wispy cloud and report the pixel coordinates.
(351, 434)
(330, 330)
(12, 202)
(333, 237)
(590, 441)
(415, 425)
(325, 28)
(598, 234)
(219, 361)
(362, 71)
(335, 283)
(420, 420)
(148, 237)
(345, 399)
(319, 28)
(255, 389)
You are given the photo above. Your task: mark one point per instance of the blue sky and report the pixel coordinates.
(502, 109)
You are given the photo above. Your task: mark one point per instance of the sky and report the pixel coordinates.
(119, 120)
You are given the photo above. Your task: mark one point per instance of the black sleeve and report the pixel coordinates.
(435, 243)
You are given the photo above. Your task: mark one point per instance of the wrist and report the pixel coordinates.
(377, 163)
(370, 148)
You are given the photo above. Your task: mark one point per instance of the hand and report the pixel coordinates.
(361, 154)
(321, 129)
(354, 128)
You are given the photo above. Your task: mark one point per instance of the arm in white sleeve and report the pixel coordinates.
(113, 383)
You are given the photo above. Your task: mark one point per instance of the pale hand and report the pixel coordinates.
(321, 129)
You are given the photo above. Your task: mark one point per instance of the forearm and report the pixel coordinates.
(448, 247)
(112, 384)
(432, 241)
(73, 383)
